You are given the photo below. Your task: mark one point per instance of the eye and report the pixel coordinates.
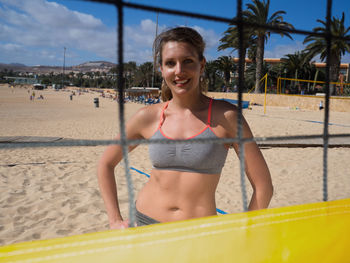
(170, 63)
(188, 61)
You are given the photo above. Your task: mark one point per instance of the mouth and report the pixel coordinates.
(181, 82)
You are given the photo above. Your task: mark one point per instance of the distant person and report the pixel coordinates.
(223, 88)
(320, 106)
(235, 88)
(184, 177)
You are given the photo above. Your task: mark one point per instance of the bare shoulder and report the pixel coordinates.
(224, 111)
(225, 117)
(149, 113)
(145, 121)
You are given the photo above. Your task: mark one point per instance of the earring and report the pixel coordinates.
(203, 84)
(164, 84)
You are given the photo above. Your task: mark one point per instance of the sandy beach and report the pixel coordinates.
(53, 192)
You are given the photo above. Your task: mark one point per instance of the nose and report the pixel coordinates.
(178, 68)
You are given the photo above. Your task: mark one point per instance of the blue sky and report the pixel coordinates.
(35, 32)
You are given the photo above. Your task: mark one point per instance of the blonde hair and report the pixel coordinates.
(179, 34)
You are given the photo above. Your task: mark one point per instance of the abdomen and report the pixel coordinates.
(173, 195)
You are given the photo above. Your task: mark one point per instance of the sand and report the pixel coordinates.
(53, 192)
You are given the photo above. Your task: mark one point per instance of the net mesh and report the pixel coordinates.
(238, 21)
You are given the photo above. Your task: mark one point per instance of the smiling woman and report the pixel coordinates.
(185, 176)
(180, 59)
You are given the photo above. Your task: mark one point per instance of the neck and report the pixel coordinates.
(192, 102)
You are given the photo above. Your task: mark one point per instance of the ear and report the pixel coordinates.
(161, 69)
(203, 62)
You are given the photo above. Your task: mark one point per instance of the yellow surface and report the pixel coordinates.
(317, 232)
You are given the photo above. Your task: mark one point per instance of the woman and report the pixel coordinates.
(184, 176)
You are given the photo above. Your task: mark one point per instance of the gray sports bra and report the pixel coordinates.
(207, 158)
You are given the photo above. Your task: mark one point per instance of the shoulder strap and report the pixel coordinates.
(209, 111)
(161, 119)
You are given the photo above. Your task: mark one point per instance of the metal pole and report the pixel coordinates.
(64, 65)
(154, 58)
(284, 81)
(265, 93)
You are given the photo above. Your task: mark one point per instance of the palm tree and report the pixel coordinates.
(318, 45)
(211, 73)
(130, 69)
(297, 65)
(294, 63)
(144, 74)
(258, 13)
(250, 73)
(226, 66)
(231, 40)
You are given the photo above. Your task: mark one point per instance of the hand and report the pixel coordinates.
(119, 224)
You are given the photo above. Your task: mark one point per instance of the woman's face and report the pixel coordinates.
(181, 67)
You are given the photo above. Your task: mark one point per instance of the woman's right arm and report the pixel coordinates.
(106, 180)
(135, 129)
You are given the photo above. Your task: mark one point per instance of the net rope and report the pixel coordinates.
(238, 21)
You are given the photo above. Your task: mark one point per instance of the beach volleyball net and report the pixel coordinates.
(291, 234)
(309, 87)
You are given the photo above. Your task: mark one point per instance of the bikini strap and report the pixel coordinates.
(209, 111)
(161, 119)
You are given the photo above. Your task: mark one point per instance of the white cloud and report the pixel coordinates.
(346, 58)
(37, 31)
(210, 37)
(40, 25)
(279, 51)
(11, 47)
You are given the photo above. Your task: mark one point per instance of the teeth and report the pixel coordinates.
(182, 81)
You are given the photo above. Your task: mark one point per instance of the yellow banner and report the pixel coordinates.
(318, 232)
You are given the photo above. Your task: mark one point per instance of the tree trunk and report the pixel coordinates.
(259, 61)
(244, 67)
(333, 73)
(315, 78)
(296, 77)
(213, 81)
(227, 78)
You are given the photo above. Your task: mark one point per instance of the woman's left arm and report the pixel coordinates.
(255, 167)
(259, 176)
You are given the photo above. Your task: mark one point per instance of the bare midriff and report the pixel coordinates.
(174, 195)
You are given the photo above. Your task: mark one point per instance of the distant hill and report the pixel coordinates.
(97, 64)
(13, 67)
(17, 65)
(94, 66)
(42, 69)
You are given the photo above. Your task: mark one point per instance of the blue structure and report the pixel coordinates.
(245, 103)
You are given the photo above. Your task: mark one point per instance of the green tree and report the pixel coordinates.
(258, 12)
(295, 64)
(226, 65)
(211, 72)
(231, 39)
(250, 75)
(144, 74)
(318, 46)
(130, 69)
